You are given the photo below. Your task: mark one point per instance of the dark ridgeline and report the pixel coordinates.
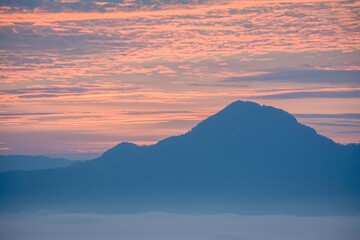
(29, 163)
(247, 158)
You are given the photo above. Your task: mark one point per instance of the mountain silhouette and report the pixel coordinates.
(247, 158)
(29, 163)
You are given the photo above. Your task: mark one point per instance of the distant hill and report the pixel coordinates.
(247, 158)
(28, 163)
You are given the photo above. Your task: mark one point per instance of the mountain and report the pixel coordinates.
(28, 163)
(247, 158)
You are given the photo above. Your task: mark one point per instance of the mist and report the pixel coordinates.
(164, 226)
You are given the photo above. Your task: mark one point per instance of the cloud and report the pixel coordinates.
(81, 91)
(158, 112)
(341, 115)
(312, 94)
(95, 5)
(338, 125)
(305, 76)
(26, 114)
(45, 89)
(61, 46)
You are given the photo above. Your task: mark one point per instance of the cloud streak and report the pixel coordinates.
(313, 94)
(343, 115)
(95, 5)
(305, 76)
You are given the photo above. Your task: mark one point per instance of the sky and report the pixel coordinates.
(80, 76)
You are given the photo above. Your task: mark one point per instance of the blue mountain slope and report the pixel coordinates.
(247, 158)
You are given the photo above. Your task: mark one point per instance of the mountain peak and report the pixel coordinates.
(242, 124)
(248, 125)
(240, 103)
(239, 107)
(122, 148)
(248, 106)
(248, 114)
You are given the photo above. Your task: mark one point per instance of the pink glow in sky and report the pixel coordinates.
(78, 77)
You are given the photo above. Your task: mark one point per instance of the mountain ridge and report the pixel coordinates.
(226, 116)
(247, 158)
(31, 162)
